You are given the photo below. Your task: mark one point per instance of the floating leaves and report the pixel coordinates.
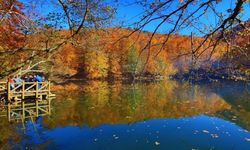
(157, 143)
(205, 131)
(217, 128)
(234, 118)
(128, 117)
(196, 131)
(115, 137)
(214, 135)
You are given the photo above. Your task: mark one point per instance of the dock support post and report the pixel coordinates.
(37, 114)
(8, 111)
(23, 89)
(23, 110)
(49, 106)
(36, 89)
(8, 91)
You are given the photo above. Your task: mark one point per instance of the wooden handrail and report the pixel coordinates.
(26, 110)
(24, 89)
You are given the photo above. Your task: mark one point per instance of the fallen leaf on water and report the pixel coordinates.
(157, 143)
(92, 107)
(196, 131)
(205, 131)
(214, 135)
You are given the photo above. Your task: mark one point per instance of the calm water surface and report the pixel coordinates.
(160, 115)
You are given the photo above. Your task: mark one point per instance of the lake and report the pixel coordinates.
(156, 115)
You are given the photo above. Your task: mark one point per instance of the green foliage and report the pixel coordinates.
(134, 63)
(133, 95)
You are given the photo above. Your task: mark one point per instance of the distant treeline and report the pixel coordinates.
(108, 54)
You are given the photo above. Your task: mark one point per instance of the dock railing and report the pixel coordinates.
(22, 90)
(3, 86)
(24, 110)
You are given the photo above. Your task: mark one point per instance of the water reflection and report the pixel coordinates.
(97, 114)
(238, 96)
(20, 112)
(197, 132)
(100, 102)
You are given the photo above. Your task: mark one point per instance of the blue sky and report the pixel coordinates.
(128, 14)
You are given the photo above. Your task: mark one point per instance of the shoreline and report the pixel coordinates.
(69, 84)
(177, 77)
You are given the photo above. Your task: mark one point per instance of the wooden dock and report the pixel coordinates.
(23, 100)
(27, 110)
(25, 90)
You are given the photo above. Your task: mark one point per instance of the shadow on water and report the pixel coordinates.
(155, 115)
(237, 94)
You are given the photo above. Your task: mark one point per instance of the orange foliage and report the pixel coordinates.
(104, 54)
(11, 35)
(66, 61)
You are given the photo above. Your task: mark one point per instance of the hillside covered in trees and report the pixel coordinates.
(64, 44)
(109, 54)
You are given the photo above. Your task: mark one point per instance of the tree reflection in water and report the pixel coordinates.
(95, 104)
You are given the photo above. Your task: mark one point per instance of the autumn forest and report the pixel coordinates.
(125, 74)
(93, 48)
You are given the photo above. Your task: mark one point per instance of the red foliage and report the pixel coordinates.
(11, 24)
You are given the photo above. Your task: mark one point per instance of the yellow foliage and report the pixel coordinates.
(96, 64)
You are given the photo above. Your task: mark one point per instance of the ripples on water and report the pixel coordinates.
(161, 115)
